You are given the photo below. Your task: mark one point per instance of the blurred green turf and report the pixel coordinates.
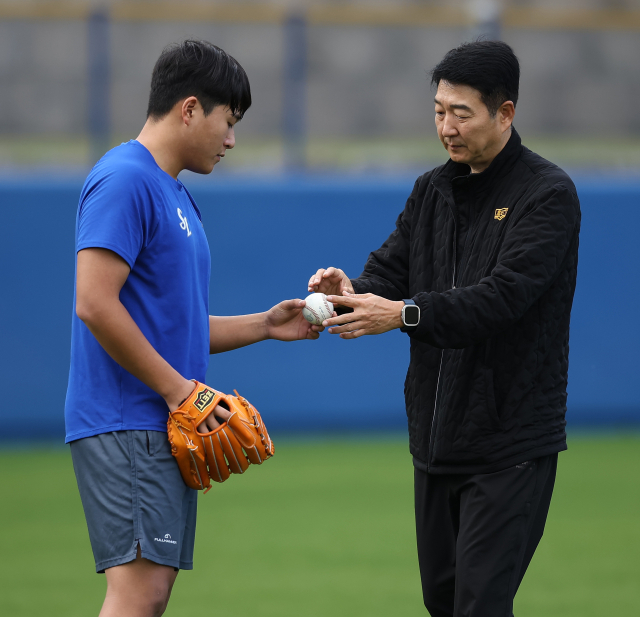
(354, 154)
(325, 528)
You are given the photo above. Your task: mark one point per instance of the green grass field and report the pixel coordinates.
(325, 528)
(388, 153)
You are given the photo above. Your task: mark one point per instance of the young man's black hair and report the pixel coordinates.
(200, 69)
(490, 67)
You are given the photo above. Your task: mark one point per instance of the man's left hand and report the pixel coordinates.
(371, 315)
(285, 322)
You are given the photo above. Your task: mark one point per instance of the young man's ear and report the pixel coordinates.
(187, 108)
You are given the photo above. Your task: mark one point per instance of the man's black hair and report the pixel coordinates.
(490, 67)
(200, 69)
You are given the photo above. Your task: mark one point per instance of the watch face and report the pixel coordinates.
(411, 315)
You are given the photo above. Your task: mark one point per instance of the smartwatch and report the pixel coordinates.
(410, 315)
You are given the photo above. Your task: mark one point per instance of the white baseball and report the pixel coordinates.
(317, 309)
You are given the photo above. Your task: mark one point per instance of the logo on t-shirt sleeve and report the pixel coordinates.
(184, 224)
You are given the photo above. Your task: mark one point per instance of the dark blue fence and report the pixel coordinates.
(267, 238)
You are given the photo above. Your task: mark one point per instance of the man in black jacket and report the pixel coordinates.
(480, 273)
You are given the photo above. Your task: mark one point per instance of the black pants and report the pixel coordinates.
(477, 534)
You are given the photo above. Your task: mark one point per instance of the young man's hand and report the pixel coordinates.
(179, 393)
(285, 322)
(178, 396)
(331, 281)
(211, 421)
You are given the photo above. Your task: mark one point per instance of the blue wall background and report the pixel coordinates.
(267, 238)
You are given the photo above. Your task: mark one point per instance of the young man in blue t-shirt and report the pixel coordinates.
(142, 329)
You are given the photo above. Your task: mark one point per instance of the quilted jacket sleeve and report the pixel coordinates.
(386, 272)
(531, 256)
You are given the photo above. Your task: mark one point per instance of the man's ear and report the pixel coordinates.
(187, 108)
(506, 112)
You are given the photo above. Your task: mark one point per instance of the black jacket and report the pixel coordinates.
(491, 259)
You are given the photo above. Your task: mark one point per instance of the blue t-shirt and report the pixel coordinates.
(130, 206)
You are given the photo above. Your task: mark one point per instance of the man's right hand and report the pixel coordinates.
(332, 282)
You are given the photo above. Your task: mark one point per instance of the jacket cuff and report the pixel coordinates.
(423, 331)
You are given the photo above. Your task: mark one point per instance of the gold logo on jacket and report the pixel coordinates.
(501, 213)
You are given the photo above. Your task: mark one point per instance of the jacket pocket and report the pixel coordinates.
(490, 398)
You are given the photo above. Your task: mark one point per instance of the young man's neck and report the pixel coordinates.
(157, 137)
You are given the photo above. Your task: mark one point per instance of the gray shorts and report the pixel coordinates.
(133, 495)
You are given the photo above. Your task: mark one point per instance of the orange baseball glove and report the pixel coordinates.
(231, 448)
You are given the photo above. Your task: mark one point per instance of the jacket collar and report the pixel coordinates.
(459, 174)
